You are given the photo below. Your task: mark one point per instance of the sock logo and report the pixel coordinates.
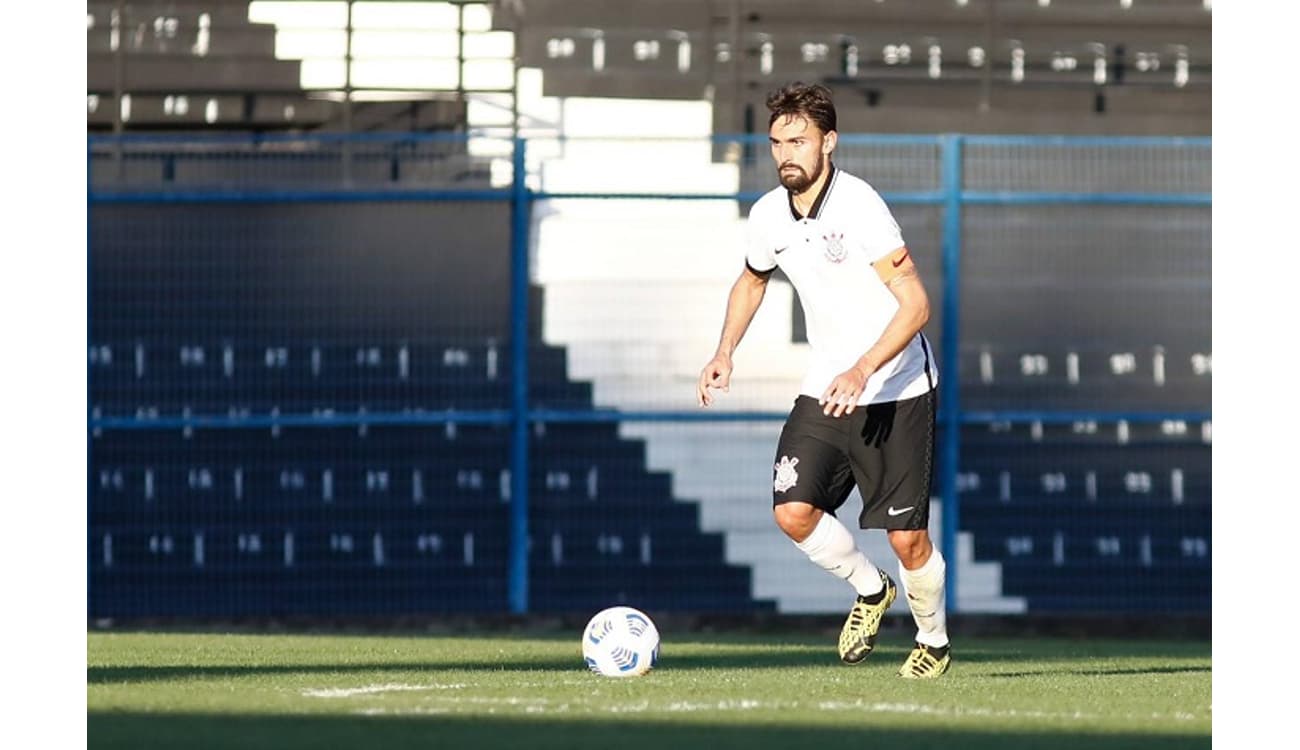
(786, 476)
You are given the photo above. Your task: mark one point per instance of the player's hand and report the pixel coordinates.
(716, 374)
(841, 396)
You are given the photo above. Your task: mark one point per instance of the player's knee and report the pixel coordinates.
(912, 547)
(797, 520)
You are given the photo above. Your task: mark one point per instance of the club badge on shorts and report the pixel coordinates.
(835, 251)
(786, 476)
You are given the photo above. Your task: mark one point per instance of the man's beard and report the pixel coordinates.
(798, 181)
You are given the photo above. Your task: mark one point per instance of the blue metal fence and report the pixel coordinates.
(154, 163)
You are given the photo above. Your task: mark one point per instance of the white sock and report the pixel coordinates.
(924, 588)
(831, 546)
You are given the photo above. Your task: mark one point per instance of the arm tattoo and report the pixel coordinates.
(901, 277)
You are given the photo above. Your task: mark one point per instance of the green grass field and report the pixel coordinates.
(207, 690)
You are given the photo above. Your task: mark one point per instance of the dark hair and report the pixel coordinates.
(809, 100)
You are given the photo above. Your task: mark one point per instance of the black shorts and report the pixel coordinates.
(887, 449)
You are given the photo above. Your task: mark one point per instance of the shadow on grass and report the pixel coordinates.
(203, 731)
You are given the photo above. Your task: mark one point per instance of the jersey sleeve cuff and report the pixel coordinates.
(756, 271)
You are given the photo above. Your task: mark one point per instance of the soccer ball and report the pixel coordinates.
(620, 642)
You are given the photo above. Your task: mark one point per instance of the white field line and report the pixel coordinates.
(534, 705)
(371, 689)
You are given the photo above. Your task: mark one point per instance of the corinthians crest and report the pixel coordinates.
(786, 476)
(835, 251)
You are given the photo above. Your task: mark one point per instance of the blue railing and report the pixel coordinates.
(950, 195)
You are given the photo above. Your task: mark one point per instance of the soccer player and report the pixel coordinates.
(865, 413)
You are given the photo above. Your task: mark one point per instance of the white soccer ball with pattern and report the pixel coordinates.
(620, 642)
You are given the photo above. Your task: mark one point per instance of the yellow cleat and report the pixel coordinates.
(925, 662)
(858, 636)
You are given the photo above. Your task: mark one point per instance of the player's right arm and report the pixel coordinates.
(746, 295)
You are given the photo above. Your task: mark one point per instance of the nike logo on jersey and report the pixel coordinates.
(787, 247)
(899, 262)
(899, 511)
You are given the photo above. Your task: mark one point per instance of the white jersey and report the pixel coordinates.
(828, 256)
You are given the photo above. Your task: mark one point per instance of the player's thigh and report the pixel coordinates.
(811, 464)
(893, 463)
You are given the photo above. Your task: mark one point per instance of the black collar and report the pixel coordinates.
(821, 196)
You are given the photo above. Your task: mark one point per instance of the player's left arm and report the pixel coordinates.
(900, 276)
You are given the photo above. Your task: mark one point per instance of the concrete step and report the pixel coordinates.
(758, 360)
(642, 167)
(703, 243)
(645, 310)
(744, 397)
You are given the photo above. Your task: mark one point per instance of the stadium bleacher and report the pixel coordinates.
(260, 318)
(185, 65)
(1007, 66)
(232, 310)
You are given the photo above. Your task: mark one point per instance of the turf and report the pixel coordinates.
(209, 690)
